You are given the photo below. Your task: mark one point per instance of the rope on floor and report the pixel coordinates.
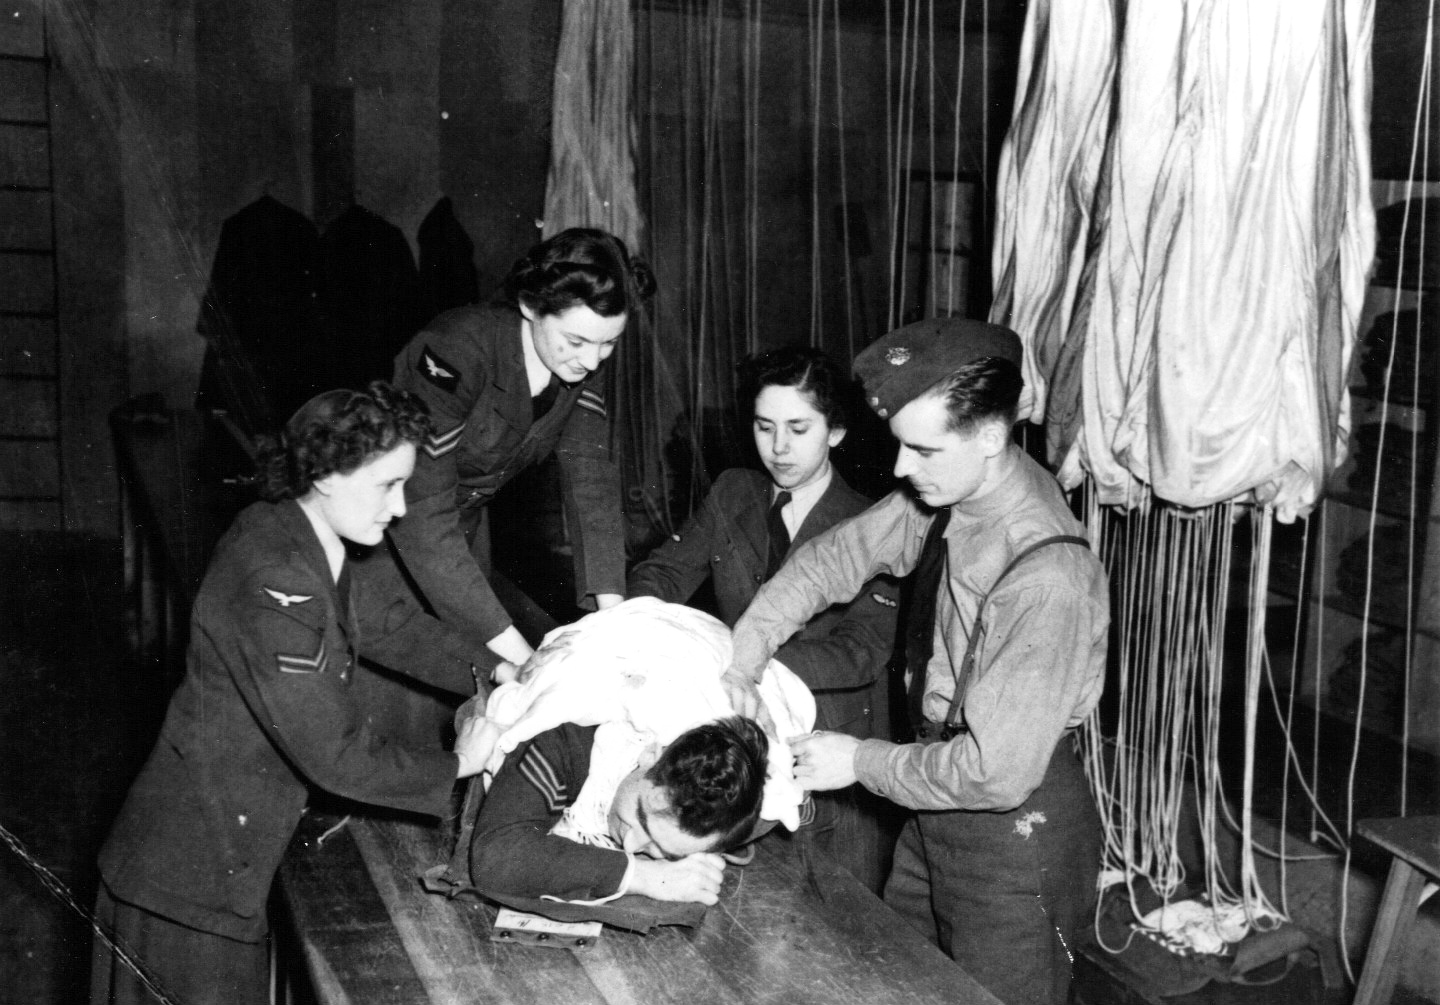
(62, 893)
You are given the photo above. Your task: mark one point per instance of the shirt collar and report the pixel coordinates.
(803, 500)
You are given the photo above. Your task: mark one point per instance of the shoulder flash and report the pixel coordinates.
(286, 599)
(433, 367)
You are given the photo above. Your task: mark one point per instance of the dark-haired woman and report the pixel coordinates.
(796, 396)
(507, 384)
(268, 709)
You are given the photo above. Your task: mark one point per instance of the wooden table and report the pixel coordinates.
(370, 933)
(1415, 844)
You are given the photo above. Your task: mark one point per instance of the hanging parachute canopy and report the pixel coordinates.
(592, 162)
(1184, 232)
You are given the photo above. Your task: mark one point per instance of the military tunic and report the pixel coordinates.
(265, 711)
(469, 367)
(513, 852)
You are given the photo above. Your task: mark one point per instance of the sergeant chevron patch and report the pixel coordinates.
(438, 372)
(539, 773)
(437, 445)
(288, 663)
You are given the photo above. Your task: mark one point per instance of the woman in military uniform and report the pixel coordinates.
(748, 523)
(507, 384)
(268, 709)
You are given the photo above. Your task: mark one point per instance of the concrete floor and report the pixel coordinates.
(76, 721)
(77, 718)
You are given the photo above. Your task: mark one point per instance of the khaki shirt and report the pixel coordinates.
(1041, 658)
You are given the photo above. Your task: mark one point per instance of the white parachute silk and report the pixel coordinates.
(1184, 233)
(644, 672)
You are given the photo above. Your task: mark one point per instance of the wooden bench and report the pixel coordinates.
(370, 933)
(1414, 843)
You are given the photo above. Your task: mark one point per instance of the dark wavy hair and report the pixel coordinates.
(809, 371)
(579, 266)
(983, 389)
(714, 776)
(338, 431)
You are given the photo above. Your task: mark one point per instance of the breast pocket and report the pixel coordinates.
(737, 572)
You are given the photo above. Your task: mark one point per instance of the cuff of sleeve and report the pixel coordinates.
(619, 892)
(872, 765)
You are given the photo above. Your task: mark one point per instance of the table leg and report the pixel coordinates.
(1387, 940)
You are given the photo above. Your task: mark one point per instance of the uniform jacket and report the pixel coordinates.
(267, 348)
(469, 367)
(841, 653)
(265, 710)
(513, 852)
(1041, 655)
(447, 261)
(371, 292)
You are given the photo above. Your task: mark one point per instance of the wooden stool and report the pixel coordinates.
(1415, 844)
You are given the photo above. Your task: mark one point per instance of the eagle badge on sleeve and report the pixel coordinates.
(286, 599)
(432, 367)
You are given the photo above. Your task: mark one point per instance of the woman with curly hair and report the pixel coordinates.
(269, 709)
(507, 384)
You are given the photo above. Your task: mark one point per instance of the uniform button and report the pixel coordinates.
(759, 578)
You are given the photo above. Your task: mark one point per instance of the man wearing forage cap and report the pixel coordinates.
(1005, 647)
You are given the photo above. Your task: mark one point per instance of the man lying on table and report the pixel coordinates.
(671, 817)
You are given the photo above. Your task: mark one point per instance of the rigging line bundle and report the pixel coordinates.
(952, 210)
(816, 49)
(1420, 140)
(1171, 573)
(845, 246)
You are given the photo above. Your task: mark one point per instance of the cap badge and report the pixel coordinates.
(897, 355)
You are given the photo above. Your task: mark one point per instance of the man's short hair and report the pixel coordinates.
(714, 776)
(980, 391)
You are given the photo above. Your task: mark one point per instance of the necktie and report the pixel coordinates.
(920, 617)
(342, 587)
(778, 534)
